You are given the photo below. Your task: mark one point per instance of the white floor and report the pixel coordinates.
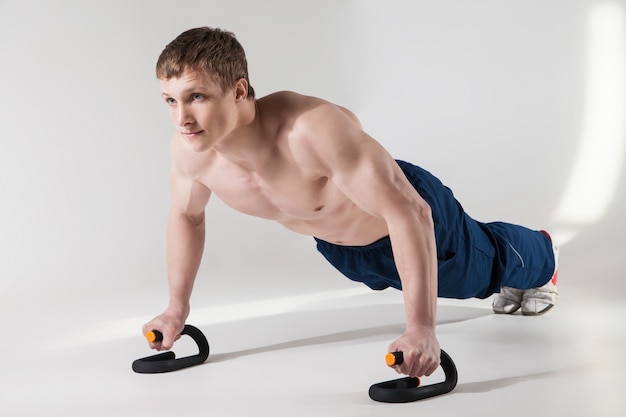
(313, 351)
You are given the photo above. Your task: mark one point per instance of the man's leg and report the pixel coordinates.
(534, 252)
(537, 301)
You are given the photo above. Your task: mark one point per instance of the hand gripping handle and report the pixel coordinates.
(167, 362)
(407, 389)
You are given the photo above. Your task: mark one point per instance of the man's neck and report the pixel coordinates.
(246, 145)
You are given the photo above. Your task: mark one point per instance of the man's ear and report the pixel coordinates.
(241, 90)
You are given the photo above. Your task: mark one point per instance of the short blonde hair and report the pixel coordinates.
(209, 51)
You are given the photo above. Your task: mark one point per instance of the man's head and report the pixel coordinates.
(208, 52)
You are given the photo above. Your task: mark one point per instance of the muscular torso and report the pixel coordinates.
(279, 187)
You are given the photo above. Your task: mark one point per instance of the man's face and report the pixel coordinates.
(200, 109)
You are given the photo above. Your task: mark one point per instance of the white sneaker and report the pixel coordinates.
(508, 301)
(533, 302)
(537, 301)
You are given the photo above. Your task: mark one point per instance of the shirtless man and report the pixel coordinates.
(307, 164)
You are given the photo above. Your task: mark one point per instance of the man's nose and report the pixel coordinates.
(183, 116)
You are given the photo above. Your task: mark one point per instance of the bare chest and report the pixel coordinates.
(280, 192)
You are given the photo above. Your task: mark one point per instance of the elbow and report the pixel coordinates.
(424, 217)
(196, 220)
(425, 213)
(191, 219)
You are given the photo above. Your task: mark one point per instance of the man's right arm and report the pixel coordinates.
(185, 245)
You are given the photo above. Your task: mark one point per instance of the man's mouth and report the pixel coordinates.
(190, 134)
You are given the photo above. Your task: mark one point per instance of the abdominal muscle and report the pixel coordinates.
(345, 225)
(314, 207)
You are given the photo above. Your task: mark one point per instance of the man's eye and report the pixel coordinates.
(198, 96)
(170, 101)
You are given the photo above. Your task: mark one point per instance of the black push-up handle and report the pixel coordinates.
(167, 362)
(407, 389)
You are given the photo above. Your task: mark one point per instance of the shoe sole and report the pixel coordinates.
(506, 312)
(538, 313)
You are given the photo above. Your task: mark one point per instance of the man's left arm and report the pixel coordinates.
(365, 172)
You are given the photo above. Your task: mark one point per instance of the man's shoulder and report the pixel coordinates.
(310, 126)
(292, 115)
(300, 115)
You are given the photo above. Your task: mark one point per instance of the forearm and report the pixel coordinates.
(413, 242)
(185, 245)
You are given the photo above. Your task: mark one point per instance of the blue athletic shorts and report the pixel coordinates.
(474, 259)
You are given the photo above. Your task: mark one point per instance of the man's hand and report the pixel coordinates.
(421, 352)
(170, 324)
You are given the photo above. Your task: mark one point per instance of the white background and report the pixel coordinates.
(501, 99)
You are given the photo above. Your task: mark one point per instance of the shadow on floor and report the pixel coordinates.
(446, 315)
(495, 384)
